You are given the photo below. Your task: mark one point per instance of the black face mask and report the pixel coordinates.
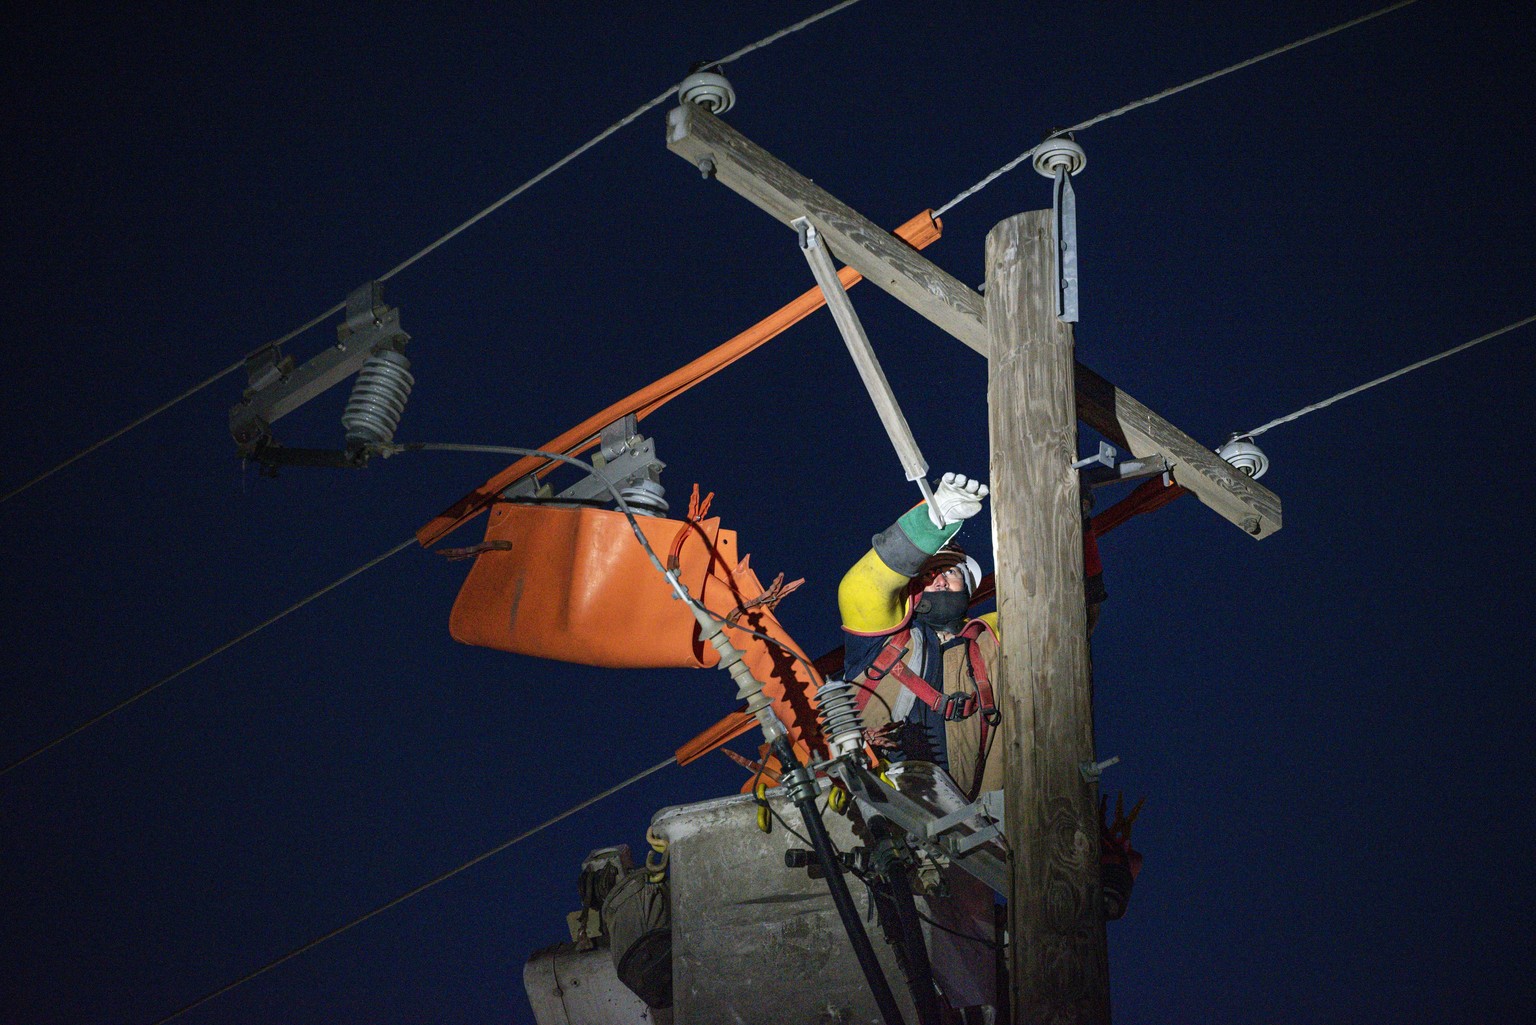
(942, 610)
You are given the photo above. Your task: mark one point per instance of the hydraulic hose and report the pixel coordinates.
(833, 870)
(914, 952)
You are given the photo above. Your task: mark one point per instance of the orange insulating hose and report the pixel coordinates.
(919, 232)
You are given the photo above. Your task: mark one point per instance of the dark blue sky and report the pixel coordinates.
(1333, 726)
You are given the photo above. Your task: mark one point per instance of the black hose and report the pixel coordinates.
(833, 869)
(914, 951)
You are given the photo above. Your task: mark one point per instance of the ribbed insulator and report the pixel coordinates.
(1246, 456)
(709, 89)
(378, 398)
(836, 703)
(645, 498)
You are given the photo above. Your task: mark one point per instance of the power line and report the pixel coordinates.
(650, 104)
(1148, 100)
(1383, 379)
(402, 546)
(637, 777)
(451, 234)
(121, 431)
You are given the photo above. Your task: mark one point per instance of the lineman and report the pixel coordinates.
(909, 641)
(904, 609)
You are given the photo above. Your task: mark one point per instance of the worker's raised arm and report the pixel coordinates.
(872, 597)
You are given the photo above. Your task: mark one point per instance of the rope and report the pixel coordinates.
(1386, 377)
(402, 546)
(637, 777)
(453, 233)
(1148, 100)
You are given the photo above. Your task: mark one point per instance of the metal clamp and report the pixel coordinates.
(1093, 770)
(1106, 457)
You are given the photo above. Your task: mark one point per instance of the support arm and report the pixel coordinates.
(769, 183)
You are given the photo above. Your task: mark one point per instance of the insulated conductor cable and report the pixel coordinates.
(312, 944)
(1384, 378)
(455, 232)
(1149, 100)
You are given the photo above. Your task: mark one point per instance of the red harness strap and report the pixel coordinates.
(953, 707)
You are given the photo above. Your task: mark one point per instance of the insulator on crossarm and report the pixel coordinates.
(709, 89)
(1242, 453)
(378, 398)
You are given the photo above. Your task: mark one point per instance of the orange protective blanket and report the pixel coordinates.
(574, 585)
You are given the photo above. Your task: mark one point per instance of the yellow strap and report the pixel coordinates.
(764, 817)
(658, 844)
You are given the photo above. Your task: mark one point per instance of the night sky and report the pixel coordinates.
(1333, 726)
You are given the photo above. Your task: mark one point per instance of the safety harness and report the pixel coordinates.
(952, 707)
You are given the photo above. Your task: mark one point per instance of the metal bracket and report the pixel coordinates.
(1058, 158)
(365, 309)
(266, 367)
(636, 462)
(1093, 770)
(989, 805)
(1126, 469)
(624, 457)
(923, 797)
(613, 438)
(1064, 211)
(276, 389)
(1106, 456)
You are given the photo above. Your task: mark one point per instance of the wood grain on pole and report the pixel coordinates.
(1059, 962)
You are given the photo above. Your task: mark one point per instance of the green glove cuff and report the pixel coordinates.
(920, 530)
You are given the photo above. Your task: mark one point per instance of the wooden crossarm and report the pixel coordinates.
(698, 136)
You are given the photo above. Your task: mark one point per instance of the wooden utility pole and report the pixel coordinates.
(1059, 968)
(1035, 395)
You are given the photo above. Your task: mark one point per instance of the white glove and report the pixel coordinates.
(956, 498)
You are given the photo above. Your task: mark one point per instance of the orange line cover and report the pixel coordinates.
(919, 232)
